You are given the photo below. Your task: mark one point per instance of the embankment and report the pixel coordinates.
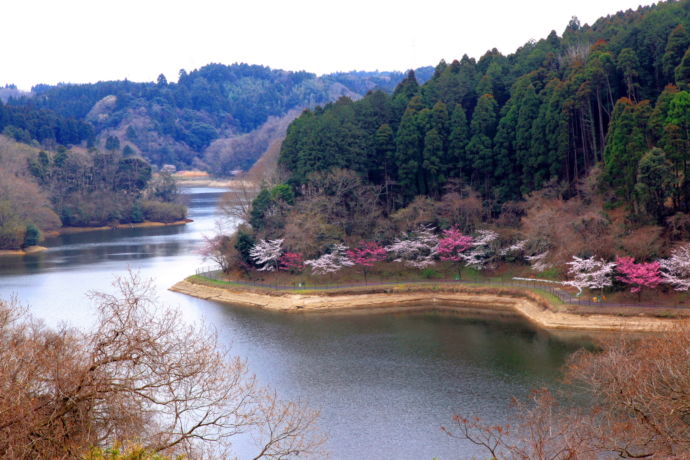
(71, 230)
(488, 300)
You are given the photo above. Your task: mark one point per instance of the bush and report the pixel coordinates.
(32, 236)
(157, 211)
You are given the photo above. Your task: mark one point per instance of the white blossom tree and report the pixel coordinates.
(266, 254)
(481, 255)
(676, 269)
(514, 249)
(590, 273)
(331, 262)
(538, 261)
(417, 250)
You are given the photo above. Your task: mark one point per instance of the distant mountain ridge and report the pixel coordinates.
(176, 123)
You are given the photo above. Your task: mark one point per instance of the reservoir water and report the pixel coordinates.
(384, 384)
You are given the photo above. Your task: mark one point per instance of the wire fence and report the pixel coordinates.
(213, 273)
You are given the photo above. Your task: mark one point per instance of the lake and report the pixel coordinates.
(384, 384)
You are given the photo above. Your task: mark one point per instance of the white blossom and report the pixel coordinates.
(417, 250)
(590, 273)
(331, 262)
(266, 254)
(538, 261)
(514, 248)
(676, 269)
(481, 255)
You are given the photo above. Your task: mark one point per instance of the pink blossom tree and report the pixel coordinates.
(416, 250)
(638, 276)
(452, 245)
(676, 269)
(331, 262)
(590, 273)
(366, 255)
(292, 262)
(266, 254)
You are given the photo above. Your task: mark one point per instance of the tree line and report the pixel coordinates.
(213, 101)
(604, 94)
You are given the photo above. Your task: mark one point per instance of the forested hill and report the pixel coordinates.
(176, 122)
(602, 94)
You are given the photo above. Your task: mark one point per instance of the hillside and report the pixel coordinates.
(576, 144)
(43, 190)
(187, 123)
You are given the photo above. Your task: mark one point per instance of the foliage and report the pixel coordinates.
(482, 254)
(366, 255)
(590, 272)
(266, 254)
(675, 270)
(158, 211)
(331, 262)
(639, 399)
(416, 250)
(32, 236)
(292, 262)
(452, 245)
(140, 374)
(183, 119)
(638, 276)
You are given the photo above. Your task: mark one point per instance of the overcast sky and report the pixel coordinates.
(51, 41)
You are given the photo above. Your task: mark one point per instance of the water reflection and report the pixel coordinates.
(384, 383)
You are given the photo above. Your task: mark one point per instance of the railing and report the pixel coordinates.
(214, 273)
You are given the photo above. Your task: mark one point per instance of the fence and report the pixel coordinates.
(213, 273)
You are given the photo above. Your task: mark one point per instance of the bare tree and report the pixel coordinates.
(639, 406)
(141, 375)
(236, 203)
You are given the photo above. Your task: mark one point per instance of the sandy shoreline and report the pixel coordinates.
(492, 301)
(22, 252)
(72, 230)
(214, 183)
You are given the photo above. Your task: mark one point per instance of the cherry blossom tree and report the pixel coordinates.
(538, 262)
(452, 245)
(638, 276)
(292, 262)
(366, 255)
(514, 249)
(481, 255)
(676, 269)
(590, 273)
(417, 250)
(266, 254)
(331, 262)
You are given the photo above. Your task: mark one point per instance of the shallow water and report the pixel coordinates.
(385, 384)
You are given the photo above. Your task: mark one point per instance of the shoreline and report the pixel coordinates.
(72, 230)
(22, 252)
(463, 299)
(213, 183)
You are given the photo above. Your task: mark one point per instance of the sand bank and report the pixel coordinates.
(493, 301)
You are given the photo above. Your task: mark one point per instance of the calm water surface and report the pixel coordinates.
(384, 384)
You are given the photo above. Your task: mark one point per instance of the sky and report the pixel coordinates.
(79, 41)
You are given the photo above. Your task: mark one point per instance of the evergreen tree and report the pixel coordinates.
(628, 64)
(432, 163)
(683, 72)
(480, 147)
(409, 153)
(653, 186)
(627, 142)
(677, 44)
(456, 159)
